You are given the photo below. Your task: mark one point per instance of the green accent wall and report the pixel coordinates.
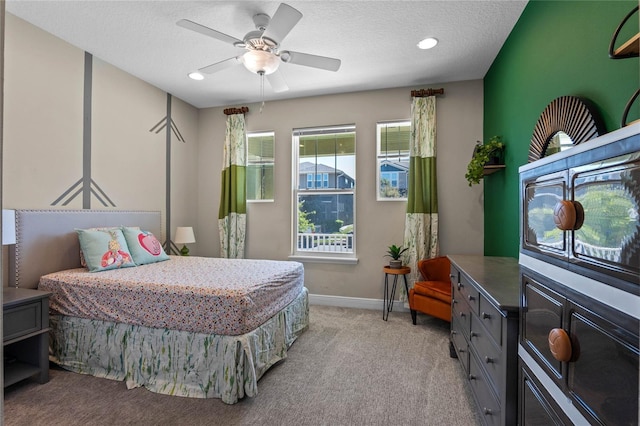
(557, 48)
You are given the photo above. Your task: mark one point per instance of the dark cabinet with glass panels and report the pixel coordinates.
(600, 371)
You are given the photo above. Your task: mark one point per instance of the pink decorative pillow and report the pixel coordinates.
(144, 246)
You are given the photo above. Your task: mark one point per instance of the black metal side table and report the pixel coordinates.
(388, 299)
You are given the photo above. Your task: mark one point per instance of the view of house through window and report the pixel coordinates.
(260, 162)
(324, 190)
(393, 159)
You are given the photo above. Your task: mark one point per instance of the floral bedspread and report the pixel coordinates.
(194, 294)
(179, 363)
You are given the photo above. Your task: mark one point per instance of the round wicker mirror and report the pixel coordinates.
(569, 116)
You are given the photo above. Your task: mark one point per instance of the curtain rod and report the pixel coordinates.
(426, 92)
(231, 111)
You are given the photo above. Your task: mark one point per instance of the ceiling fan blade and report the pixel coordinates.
(285, 18)
(314, 61)
(219, 66)
(193, 26)
(277, 82)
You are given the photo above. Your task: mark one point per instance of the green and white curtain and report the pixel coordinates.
(421, 222)
(232, 217)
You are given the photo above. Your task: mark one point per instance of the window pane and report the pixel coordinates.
(260, 148)
(393, 160)
(393, 139)
(328, 157)
(325, 223)
(260, 165)
(260, 182)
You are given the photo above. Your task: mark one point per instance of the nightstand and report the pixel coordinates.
(25, 335)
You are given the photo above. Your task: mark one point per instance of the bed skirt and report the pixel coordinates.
(174, 362)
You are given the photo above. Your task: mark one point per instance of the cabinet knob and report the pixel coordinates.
(454, 301)
(487, 411)
(486, 315)
(460, 286)
(462, 315)
(472, 377)
(461, 350)
(453, 332)
(470, 297)
(560, 345)
(488, 360)
(473, 334)
(568, 215)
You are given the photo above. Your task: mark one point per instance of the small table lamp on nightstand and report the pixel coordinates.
(184, 235)
(8, 227)
(9, 239)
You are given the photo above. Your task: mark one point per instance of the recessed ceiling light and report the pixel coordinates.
(428, 43)
(196, 76)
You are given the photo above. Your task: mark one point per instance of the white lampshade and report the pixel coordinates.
(184, 235)
(8, 227)
(260, 61)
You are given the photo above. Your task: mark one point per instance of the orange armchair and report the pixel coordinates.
(433, 295)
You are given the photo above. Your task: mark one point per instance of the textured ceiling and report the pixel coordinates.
(376, 41)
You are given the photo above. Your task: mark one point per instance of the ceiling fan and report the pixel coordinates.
(263, 54)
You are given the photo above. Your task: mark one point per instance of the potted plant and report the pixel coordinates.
(394, 252)
(491, 152)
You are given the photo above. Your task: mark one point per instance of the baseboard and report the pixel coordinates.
(353, 302)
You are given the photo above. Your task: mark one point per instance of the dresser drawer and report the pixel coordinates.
(492, 319)
(487, 402)
(468, 292)
(454, 275)
(22, 320)
(489, 355)
(460, 344)
(460, 310)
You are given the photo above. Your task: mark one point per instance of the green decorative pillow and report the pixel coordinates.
(144, 246)
(104, 249)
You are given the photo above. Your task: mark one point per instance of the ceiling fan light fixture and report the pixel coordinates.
(428, 43)
(196, 76)
(260, 61)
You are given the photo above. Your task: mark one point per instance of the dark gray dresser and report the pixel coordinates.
(484, 331)
(25, 335)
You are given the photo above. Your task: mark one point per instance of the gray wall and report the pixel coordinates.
(43, 136)
(379, 223)
(43, 132)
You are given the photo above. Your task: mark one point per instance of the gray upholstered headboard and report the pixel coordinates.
(46, 240)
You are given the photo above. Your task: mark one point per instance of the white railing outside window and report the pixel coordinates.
(336, 243)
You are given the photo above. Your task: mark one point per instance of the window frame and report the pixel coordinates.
(324, 179)
(382, 156)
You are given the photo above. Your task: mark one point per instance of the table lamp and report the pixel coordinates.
(8, 227)
(184, 236)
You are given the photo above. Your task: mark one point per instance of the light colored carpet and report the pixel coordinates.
(349, 368)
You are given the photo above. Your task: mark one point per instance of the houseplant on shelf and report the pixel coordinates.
(491, 152)
(394, 252)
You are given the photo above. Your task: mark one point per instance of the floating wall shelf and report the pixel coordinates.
(489, 170)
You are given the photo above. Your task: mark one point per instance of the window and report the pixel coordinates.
(393, 160)
(324, 191)
(260, 162)
(321, 180)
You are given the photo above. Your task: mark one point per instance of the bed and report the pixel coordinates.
(163, 325)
